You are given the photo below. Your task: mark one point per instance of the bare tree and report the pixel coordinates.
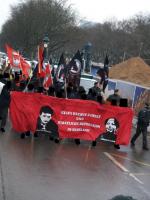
(30, 21)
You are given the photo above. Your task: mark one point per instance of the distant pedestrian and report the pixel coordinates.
(142, 124)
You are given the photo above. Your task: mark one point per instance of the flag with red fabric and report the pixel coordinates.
(16, 60)
(48, 78)
(40, 58)
(25, 67)
(13, 56)
(71, 121)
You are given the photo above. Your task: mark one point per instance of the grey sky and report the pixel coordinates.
(5, 10)
(95, 10)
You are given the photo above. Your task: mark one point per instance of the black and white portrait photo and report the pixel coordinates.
(45, 124)
(111, 126)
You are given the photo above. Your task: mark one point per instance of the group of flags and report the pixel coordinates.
(69, 72)
(42, 71)
(66, 72)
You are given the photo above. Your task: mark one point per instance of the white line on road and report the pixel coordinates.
(122, 167)
(135, 178)
(142, 174)
(135, 161)
(116, 162)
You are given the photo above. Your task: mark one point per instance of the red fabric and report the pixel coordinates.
(25, 107)
(16, 60)
(25, 67)
(40, 58)
(47, 79)
(13, 56)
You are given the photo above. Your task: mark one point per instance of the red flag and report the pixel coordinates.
(47, 79)
(70, 120)
(40, 58)
(25, 67)
(13, 56)
(16, 60)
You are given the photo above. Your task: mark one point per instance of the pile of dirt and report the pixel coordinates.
(134, 70)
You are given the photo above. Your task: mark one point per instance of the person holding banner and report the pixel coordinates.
(4, 104)
(28, 89)
(114, 99)
(96, 89)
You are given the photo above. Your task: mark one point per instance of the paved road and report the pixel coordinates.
(39, 169)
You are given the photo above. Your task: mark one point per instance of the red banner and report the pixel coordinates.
(71, 118)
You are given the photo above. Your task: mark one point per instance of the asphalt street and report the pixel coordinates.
(39, 169)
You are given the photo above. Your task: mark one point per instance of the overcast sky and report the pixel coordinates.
(94, 10)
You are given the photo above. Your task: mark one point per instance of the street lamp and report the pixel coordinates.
(45, 43)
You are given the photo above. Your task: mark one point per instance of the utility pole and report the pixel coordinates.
(124, 55)
(141, 45)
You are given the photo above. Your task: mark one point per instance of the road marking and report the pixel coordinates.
(135, 178)
(136, 161)
(122, 167)
(87, 154)
(116, 162)
(142, 174)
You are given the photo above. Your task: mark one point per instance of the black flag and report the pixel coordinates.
(106, 63)
(60, 75)
(74, 70)
(60, 72)
(104, 73)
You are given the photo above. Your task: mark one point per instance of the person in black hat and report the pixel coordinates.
(114, 98)
(142, 124)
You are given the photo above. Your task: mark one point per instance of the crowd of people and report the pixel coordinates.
(18, 82)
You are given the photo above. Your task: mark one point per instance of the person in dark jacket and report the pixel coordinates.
(4, 105)
(142, 124)
(97, 88)
(114, 98)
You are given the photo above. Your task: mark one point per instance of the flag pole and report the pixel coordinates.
(52, 79)
(52, 83)
(65, 88)
(28, 81)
